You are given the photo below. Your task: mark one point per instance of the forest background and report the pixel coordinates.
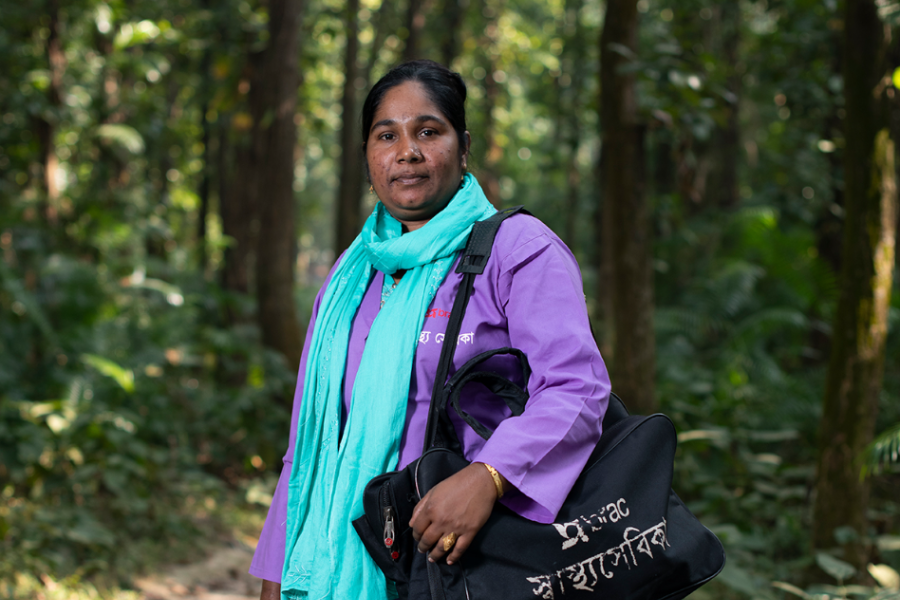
(177, 177)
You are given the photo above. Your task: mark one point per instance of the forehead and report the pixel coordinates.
(406, 101)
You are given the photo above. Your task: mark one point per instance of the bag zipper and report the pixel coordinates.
(388, 515)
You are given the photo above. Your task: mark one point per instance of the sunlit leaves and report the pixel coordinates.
(123, 377)
(131, 34)
(123, 136)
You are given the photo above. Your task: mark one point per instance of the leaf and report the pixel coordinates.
(886, 576)
(845, 535)
(712, 435)
(884, 450)
(835, 567)
(622, 50)
(791, 589)
(888, 542)
(123, 135)
(57, 423)
(728, 533)
(124, 377)
(89, 532)
(13, 285)
(738, 579)
(779, 435)
(131, 34)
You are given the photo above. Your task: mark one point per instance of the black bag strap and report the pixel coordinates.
(473, 261)
(514, 396)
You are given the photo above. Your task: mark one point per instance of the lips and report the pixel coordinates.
(409, 178)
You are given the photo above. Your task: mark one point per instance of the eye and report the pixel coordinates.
(428, 132)
(386, 136)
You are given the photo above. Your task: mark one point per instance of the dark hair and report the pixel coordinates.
(443, 86)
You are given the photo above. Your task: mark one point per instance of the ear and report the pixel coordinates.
(465, 151)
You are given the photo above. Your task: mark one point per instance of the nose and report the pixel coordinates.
(410, 152)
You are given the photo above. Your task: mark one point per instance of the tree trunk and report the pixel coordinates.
(237, 203)
(571, 106)
(45, 125)
(626, 213)
(381, 22)
(415, 22)
(487, 175)
(274, 126)
(828, 226)
(347, 219)
(275, 136)
(206, 175)
(727, 141)
(452, 17)
(857, 358)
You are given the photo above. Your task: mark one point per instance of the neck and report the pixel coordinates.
(413, 225)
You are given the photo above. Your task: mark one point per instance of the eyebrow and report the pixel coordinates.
(419, 119)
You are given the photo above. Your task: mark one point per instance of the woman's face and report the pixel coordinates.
(415, 162)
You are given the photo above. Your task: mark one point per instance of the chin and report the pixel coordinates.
(414, 205)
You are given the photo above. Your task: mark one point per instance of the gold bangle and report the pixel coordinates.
(498, 483)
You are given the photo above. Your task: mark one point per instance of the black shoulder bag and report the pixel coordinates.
(621, 533)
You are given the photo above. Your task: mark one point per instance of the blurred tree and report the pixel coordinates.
(491, 11)
(275, 135)
(625, 212)
(860, 328)
(415, 23)
(726, 142)
(206, 176)
(240, 202)
(347, 217)
(46, 123)
(381, 22)
(452, 17)
(128, 377)
(570, 108)
(237, 208)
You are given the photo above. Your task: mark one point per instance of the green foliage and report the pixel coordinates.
(884, 450)
(126, 397)
(133, 387)
(97, 452)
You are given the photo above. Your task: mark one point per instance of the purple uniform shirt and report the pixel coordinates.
(529, 297)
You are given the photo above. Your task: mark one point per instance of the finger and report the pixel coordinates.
(462, 544)
(421, 526)
(420, 520)
(438, 552)
(430, 539)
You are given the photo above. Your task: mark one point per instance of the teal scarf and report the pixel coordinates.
(324, 558)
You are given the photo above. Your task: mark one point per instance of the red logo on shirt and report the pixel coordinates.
(437, 312)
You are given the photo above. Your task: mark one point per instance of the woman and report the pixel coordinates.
(372, 349)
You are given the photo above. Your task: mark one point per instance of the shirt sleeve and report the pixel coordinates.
(543, 451)
(268, 560)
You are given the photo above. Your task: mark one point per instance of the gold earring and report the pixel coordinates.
(371, 189)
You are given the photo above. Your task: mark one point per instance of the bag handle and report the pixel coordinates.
(514, 396)
(473, 261)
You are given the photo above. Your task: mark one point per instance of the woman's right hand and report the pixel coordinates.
(270, 590)
(461, 504)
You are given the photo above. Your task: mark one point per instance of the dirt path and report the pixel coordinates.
(222, 576)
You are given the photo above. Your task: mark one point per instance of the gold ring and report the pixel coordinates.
(449, 540)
